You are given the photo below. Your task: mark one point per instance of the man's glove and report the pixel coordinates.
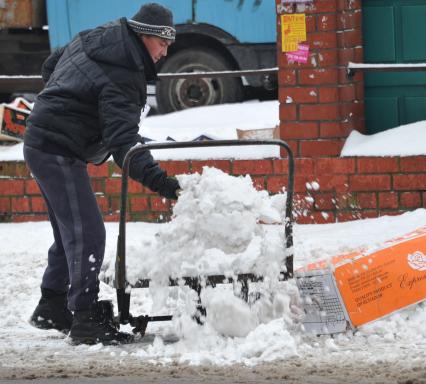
(170, 188)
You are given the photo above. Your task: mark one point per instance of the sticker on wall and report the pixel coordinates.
(283, 6)
(299, 56)
(293, 31)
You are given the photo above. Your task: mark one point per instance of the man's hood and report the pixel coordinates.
(114, 43)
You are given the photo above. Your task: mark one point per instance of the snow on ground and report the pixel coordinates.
(222, 121)
(266, 337)
(215, 121)
(406, 140)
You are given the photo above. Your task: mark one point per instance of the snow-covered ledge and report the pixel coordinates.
(352, 67)
(405, 140)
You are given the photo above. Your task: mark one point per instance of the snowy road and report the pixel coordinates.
(391, 350)
(410, 370)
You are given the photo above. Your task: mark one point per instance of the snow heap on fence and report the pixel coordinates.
(214, 230)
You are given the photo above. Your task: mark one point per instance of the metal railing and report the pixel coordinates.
(34, 83)
(195, 282)
(374, 67)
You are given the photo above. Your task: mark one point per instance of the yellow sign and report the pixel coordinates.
(293, 31)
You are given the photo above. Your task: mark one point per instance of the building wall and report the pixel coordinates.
(326, 189)
(319, 104)
(319, 107)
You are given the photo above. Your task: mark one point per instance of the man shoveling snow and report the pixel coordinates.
(89, 109)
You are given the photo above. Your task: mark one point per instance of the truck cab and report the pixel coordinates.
(212, 35)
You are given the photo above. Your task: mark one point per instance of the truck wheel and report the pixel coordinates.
(177, 94)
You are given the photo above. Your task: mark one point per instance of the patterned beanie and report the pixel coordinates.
(153, 19)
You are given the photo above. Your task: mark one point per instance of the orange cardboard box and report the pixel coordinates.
(365, 285)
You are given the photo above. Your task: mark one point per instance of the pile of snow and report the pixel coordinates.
(215, 230)
(406, 140)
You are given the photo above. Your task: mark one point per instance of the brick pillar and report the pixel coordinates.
(319, 104)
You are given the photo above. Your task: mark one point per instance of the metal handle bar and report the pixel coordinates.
(120, 270)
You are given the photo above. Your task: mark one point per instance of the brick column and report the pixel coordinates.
(319, 104)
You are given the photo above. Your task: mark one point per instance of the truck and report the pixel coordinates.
(212, 35)
(24, 43)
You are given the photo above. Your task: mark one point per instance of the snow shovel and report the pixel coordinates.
(123, 288)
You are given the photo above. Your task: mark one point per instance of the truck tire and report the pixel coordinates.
(177, 94)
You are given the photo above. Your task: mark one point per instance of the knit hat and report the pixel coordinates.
(153, 19)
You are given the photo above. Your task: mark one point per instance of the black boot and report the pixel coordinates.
(96, 325)
(52, 312)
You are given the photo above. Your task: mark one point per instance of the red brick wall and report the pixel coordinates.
(319, 104)
(349, 188)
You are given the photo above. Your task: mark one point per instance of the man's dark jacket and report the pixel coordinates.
(91, 104)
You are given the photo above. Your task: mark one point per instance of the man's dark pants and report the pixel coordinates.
(75, 258)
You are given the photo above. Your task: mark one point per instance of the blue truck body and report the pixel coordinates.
(248, 21)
